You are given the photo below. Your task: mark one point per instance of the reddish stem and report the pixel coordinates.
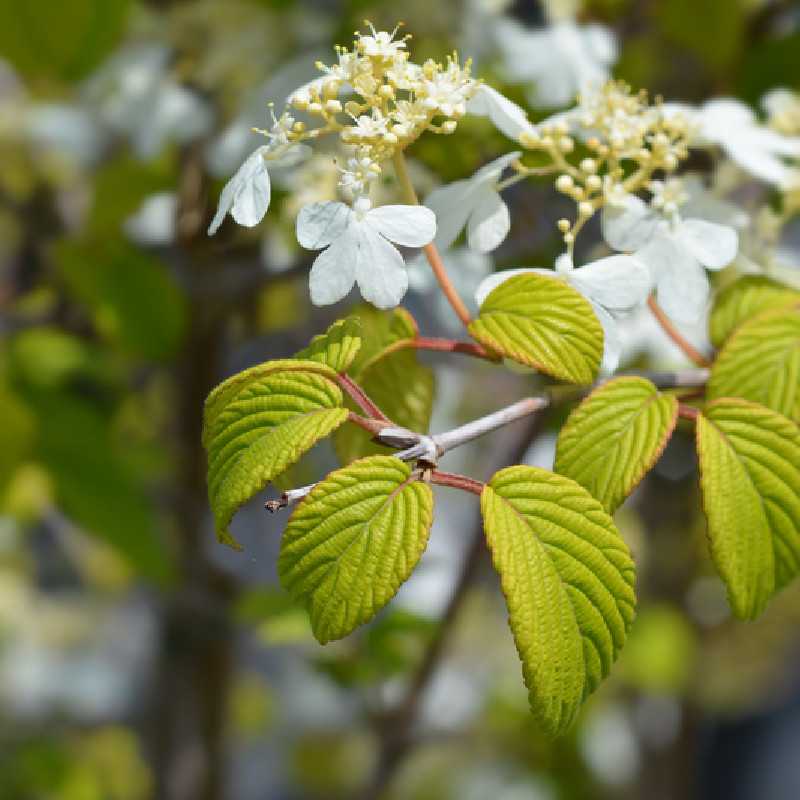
(360, 398)
(456, 481)
(373, 426)
(437, 265)
(688, 412)
(688, 348)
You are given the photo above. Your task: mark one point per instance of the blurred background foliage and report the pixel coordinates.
(137, 657)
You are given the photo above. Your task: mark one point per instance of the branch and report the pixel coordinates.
(395, 726)
(688, 348)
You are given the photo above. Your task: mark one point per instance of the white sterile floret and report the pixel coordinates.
(613, 285)
(247, 194)
(560, 60)
(783, 108)
(504, 114)
(476, 203)
(732, 126)
(677, 251)
(360, 250)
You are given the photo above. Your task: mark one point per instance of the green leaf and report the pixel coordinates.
(761, 363)
(568, 580)
(744, 299)
(401, 387)
(133, 299)
(611, 440)
(261, 421)
(17, 433)
(337, 347)
(750, 478)
(352, 542)
(543, 323)
(63, 40)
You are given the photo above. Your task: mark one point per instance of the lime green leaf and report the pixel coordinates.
(568, 580)
(17, 433)
(401, 387)
(543, 323)
(261, 421)
(337, 347)
(614, 437)
(750, 479)
(746, 298)
(761, 362)
(352, 542)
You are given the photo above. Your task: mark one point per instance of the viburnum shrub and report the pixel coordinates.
(567, 575)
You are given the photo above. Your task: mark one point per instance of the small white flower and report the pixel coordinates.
(612, 285)
(560, 60)
(360, 250)
(247, 194)
(474, 202)
(504, 114)
(732, 126)
(677, 251)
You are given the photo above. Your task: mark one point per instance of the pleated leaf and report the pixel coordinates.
(611, 440)
(352, 542)
(392, 377)
(543, 323)
(259, 422)
(761, 362)
(750, 479)
(568, 581)
(744, 299)
(337, 347)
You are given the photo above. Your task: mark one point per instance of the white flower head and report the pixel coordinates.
(677, 251)
(559, 61)
(246, 195)
(359, 248)
(757, 149)
(476, 203)
(613, 285)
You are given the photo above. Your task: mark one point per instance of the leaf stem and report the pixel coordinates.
(691, 352)
(688, 412)
(444, 346)
(359, 397)
(456, 481)
(430, 250)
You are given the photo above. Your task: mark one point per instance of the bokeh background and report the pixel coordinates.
(138, 657)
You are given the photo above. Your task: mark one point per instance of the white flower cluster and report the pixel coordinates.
(376, 102)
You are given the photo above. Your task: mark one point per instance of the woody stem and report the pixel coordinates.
(430, 250)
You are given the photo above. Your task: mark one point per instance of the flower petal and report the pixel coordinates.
(612, 341)
(627, 223)
(410, 226)
(681, 282)
(506, 116)
(452, 205)
(713, 245)
(617, 282)
(246, 194)
(319, 224)
(491, 172)
(489, 221)
(333, 272)
(487, 285)
(380, 270)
